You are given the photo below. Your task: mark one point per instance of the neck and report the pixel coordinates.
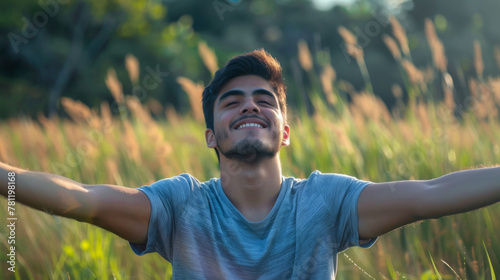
(252, 188)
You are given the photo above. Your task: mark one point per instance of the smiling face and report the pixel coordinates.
(248, 122)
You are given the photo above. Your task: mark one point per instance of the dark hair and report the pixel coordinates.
(259, 63)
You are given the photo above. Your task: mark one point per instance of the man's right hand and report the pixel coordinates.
(123, 211)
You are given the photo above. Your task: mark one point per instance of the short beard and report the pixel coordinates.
(249, 151)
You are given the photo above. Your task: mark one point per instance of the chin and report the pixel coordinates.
(250, 151)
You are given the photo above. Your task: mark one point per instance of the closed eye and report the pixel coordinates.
(231, 103)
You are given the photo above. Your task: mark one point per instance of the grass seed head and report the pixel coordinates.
(437, 48)
(414, 74)
(347, 35)
(392, 46)
(208, 57)
(194, 91)
(140, 112)
(327, 77)
(397, 91)
(78, 111)
(132, 65)
(478, 59)
(114, 86)
(305, 58)
(106, 115)
(400, 35)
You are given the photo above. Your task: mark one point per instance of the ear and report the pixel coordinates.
(210, 138)
(286, 136)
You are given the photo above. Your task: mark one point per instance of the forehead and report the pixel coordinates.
(246, 83)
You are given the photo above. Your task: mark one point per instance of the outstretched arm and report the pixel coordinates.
(123, 211)
(383, 207)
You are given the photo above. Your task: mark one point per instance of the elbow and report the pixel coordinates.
(426, 203)
(84, 206)
(91, 209)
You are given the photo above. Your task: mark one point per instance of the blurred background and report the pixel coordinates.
(109, 92)
(52, 49)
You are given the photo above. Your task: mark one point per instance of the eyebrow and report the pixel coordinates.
(237, 92)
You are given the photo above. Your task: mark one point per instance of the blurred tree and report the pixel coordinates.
(65, 47)
(59, 48)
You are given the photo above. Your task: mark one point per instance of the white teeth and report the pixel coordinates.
(249, 124)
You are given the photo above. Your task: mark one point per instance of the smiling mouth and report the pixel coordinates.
(250, 122)
(250, 125)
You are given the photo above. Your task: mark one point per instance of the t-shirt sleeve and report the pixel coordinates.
(341, 194)
(167, 198)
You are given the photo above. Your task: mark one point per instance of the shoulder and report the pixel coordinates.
(179, 187)
(180, 180)
(330, 183)
(318, 175)
(318, 179)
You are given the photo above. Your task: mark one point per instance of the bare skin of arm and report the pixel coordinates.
(383, 207)
(123, 211)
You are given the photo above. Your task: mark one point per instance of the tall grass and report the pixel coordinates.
(424, 138)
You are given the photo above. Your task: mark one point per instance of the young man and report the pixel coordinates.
(252, 222)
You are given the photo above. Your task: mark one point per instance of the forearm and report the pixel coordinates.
(462, 191)
(48, 192)
(383, 207)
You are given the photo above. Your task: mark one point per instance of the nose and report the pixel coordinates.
(249, 106)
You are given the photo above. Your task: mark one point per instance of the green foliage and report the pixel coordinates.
(166, 33)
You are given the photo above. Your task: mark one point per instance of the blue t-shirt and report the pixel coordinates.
(195, 227)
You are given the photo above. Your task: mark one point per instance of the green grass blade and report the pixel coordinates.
(390, 268)
(435, 269)
(493, 277)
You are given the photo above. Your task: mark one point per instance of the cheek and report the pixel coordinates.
(275, 115)
(225, 118)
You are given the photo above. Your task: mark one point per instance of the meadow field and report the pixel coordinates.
(349, 132)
